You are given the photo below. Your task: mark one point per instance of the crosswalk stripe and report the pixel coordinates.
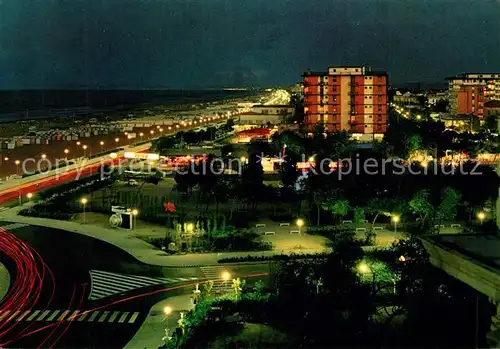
(13, 315)
(23, 315)
(54, 314)
(113, 316)
(123, 317)
(103, 317)
(73, 316)
(44, 314)
(108, 316)
(14, 226)
(63, 315)
(133, 318)
(93, 316)
(4, 314)
(105, 283)
(83, 316)
(33, 315)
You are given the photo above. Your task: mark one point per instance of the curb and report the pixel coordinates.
(4, 281)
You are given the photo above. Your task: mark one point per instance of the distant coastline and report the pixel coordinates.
(36, 104)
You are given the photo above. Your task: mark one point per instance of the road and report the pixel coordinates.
(109, 288)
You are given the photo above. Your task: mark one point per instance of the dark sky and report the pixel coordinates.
(205, 43)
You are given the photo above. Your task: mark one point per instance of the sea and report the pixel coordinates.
(36, 104)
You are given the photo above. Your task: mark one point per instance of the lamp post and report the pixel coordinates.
(117, 140)
(225, 276)
(85, 150)
(101, 143)
(141, 135)
(29, 196)
(135, 213)
(167, 311)
(395, 219)
(66, 151)
(300, 224)
(481, 216)
(44, 156)
(17, 162)
(78, 143)
(84, 202)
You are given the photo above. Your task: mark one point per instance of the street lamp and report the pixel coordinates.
(190, 227)
(6, 158)
(167, 311)
(44, 156)
(101, 143)
(135, 213)
(300, 224)
(481, 216)
(66, 151)
(17, 162)
(84, 202)
(243, 159)
(78, 143)
(141, 135)
(363, 268)
(152, 132)
(29, 196)
(402, 259)
(226, 276)
(117, 140)
(84, 150)
(395, 219)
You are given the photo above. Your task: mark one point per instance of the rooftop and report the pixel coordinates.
(492, 104)
(484, 248)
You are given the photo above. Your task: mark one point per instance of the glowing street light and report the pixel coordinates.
(78, 143)
(300, 224)
(190, 227)
(44, 156)
(29, 196)
(85, 150)
(167, 310)
(395, 219)
(84, 202)
(117, 140)
(152, 132)
(481, 216)
(402, 259)
(6, 158)
(363, 268)
(135, 213)
(17, 162)
(243, 159)
(226, 276)
(101, 143)
(177, 126)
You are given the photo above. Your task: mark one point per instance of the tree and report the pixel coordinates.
(252, 179)
(384, 206)
(338, 207)
(450, 199)
(420, 204)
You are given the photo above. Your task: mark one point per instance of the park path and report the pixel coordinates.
(141, 250)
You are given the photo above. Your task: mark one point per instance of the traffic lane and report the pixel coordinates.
(63, 177)
(70, 257)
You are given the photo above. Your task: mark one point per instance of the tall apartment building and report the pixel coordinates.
(468, 92)
(346, 98)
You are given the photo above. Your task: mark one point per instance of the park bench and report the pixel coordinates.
(269, 233)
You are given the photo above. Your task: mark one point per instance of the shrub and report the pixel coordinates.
(277, 257)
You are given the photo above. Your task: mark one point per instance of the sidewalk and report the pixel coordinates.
(4, 281)
(152, 331)
(141, 250)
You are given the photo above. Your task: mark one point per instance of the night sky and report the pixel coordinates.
(213, 43)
